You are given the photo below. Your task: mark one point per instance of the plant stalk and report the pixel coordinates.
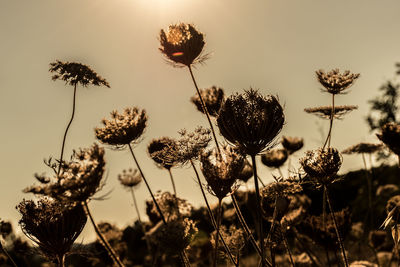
(172, 181)
(330, 123)
(8, 255)
(219, 219)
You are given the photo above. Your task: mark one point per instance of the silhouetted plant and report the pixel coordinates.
(212, 97)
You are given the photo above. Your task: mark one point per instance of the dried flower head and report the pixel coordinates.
(130, 178)
(5, 229)
(322, 164)
(52, 225)
(173, 237)
(78, 180)
(73, 73)
(325, 112)
(163, 151)
(182, 44)
(171, 206)
(247, 171)
(191, 144)
(292, 144)
(212, 97)
(234, 238)
(390, 135)
(281, 189)
(360, 148)
(221, 170)
(335, 82)
(274, 158)
(251, 121)
(122, 129)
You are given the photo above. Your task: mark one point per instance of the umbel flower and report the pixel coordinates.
(390, 135)
(79, 179)
(182, 44)
(251, 121)
(234, 239)
(221, 170)
(325, 112)
(292, 144)
(52, 225)
(130, 178)
(191, 144)
(123, 128)
(322, 164)
(162, 151)
(171, 206)
(335, 82)
(360, 148)
(73, 73)
(212, 97)
(274, 158)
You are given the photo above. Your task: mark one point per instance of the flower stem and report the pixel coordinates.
(344, 257)
(61, 260)
(329, 136)
(139, 219)
(172, 180)
(103, 240)
(258, 209)
(219, 219)
(213, 222)
(66, 130)
(147, 185)
(369, 185)
(8, 255)
(204, 108)
(286, 243)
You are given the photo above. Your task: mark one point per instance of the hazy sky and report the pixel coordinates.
(274, 46)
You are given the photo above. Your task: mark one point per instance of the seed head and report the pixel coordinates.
(234, 238)
(274, 158)
(335, 82)
(221, 170)
(281, 189)
(73, 73)
(78, 180)
(122, 129)
(390, 135)
(130, 178)
(251, 121)
(360, 148)
(322, 164)
(182, 45)
(163, 151)
(325, 112)
(212, 97)
(171, 206)
(191, 144)
(52, 225)
(292, 144)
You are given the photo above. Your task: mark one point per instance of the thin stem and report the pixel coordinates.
(213, 222)
(219, 219)
(61, 260)
(135, 204)
(203, 105)
(66, 130)
(285, 241)
(103, 240)
(346, 264)
(330, 123)
(172, 181)
(8, 255)
(280, 172)
(147, 185)
(369, 188)
(258, 209)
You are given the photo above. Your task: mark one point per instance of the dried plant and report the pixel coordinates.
(171, 206)
(213, 98)
(162, 151)
(335, 82)
(363, 148)
(325, 112)
(274, 158)
(123, 128)
(234, 238)
(292, 144)
(52, 225)
(130, 178)
(390, 135)
(191, 144)
(247, 172)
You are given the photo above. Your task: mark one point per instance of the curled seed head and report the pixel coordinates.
(163, 151)
(292, 144)
(212, 97)
(274, 158)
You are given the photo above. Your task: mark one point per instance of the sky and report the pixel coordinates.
(272, 46)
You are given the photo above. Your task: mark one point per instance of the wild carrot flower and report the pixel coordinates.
(123, 128)
(182, 44)
(212, 97)
(130, 178)
(322, 164)
(335, 82)
(163, 151)
(390, 135)
(221, 170)
(191, 144)
(274, 158)
(251, 121)
(292, 144)
(171, 206)
(52, 225)
(79, 179)
(325, 112)
(234, 238)
(73, 73)
(360, 148)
